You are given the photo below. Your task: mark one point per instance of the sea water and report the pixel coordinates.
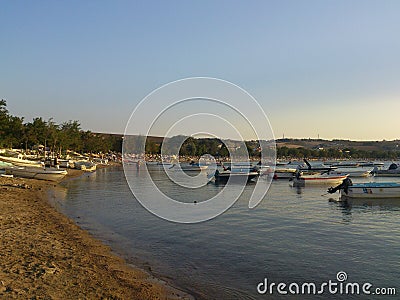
(294, 235)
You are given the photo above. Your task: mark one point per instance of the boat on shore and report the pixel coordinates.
(50, 174)
(21, 162)
(369, 190)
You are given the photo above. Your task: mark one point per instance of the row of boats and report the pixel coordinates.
(18, 167)
(305, 174)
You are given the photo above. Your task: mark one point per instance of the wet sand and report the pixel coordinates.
(45, 255)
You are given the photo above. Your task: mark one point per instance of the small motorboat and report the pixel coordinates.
(392, 171)
(51, 174)
(192, 167)
(85, 165)
(377, 190)
(21, 162)
(302, 179)
(284, 173)
(236, 175)
(353, 173)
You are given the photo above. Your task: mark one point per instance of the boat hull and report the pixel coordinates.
(36, 173)
(318, 180)
(21, 162)
(372, 191)
(235, 177)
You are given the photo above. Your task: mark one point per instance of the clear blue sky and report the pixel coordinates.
(317, 67)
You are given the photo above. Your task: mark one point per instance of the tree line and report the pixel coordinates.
(15, 133)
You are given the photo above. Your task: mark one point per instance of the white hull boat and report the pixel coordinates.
(37, 173)
(193, 168)
(351, 173)
(236, 175)
(86, 166)
(372, 190)
(314, 179)
(21, 162)
(284, 173)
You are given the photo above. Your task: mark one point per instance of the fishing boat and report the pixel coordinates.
(21, 162)
(392, 171)
(284, 173)
(4, 165)
(353, 173)
(302, 179)
(236, 175)
(370, 190)
(193, 167)
(346, 164)
(85, 165)
(37, 173)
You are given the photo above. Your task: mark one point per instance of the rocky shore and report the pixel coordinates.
(45, 255)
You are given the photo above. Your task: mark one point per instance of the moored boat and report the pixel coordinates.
(302, 179)
(192, 167)
(238, 175)
(284, 173)
(85, 165)
(375, 190)
(37, 173)
(392, 171)
(353, 173)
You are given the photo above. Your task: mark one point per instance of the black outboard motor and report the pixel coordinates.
(393, 166)
(344, 185)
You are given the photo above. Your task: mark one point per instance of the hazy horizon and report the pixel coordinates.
(317, 68)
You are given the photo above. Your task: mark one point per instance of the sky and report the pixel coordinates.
(317, 68)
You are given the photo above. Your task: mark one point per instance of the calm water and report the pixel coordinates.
(294, 235)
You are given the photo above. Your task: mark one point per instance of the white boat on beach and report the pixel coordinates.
(37, 173)
(21, 162)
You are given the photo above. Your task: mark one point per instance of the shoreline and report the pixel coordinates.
(45, 254)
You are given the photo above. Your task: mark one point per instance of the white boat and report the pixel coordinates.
(353, 173)
(302, 179)
(238, 175)
(37, 173)
(85, 165)
(4, 165)
(371, 190)
(192, 167)
(392, 171)
(284, 173)
(21, 162)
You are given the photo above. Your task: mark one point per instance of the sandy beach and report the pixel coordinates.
(45, 255)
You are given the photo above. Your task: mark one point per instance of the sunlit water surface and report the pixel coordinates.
(294, 235)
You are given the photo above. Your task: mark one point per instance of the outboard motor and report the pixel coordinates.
(344, 185)
(393, 166)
